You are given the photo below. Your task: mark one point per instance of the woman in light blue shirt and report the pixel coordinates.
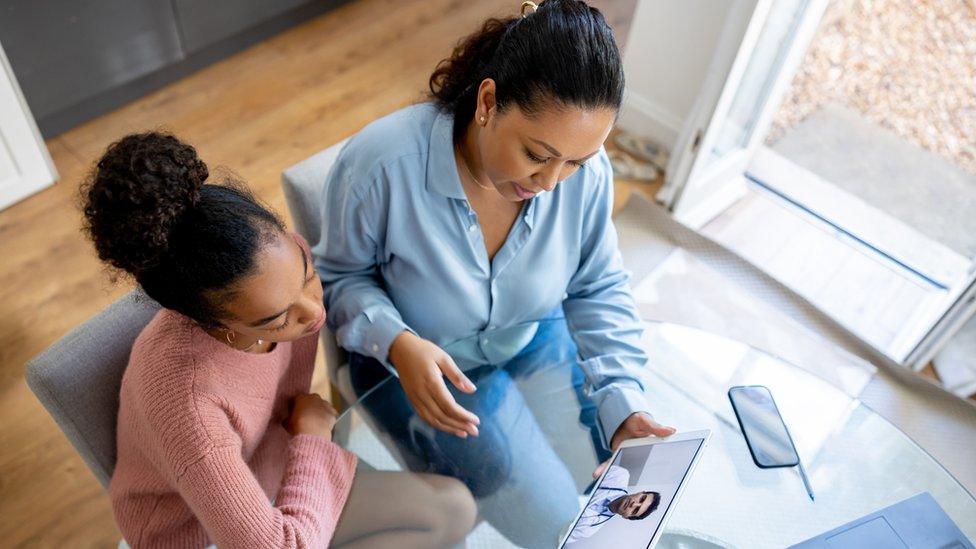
(472, 235)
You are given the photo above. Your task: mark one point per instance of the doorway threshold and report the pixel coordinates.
(860, 287)
(865, 224)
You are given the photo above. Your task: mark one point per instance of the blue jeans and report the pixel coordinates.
(534, 417)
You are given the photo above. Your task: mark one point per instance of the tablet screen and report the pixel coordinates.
(627, 507)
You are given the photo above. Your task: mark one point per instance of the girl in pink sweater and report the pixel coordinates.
(219, 440)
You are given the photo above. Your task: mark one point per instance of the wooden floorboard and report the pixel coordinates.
(257, 113)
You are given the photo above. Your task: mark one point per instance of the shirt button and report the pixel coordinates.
(376, 348)
(471, 228)
(484, 341)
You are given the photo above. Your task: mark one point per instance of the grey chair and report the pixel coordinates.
(303, 185)
(78, 378)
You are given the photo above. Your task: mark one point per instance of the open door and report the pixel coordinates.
(736, 104)
(947, 317)
(25, 166)
(719, 155)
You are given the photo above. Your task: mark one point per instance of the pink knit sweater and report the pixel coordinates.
(202, 450)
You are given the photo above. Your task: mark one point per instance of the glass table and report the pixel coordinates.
(857, 461)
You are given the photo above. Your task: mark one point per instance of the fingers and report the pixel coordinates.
(439, 402)
(448, 405)
(655, 428)
(435, 411)
(434, 419)
(422, 378)
(639, 425)
(642, 424)
(600, 468)
(448, 412)
(330, 411)
(661, 431)
(453, 373)
(435, 405)
(328, 405)
(314, 399)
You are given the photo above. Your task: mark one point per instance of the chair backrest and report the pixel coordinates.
(78, 378)
(304, 187)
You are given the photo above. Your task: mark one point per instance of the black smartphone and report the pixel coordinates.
(766, 434)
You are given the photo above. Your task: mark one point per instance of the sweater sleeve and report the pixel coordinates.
(229, 502)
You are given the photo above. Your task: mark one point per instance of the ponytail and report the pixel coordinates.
(562, 53)
(454, 83)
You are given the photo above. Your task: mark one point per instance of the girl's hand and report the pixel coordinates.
(311, 415)
(637, 425)
(422, 367)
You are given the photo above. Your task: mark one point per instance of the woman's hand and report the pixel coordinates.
(422, 367)
(637, 425)
(311, 415)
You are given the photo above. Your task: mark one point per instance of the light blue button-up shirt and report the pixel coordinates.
(402, 249)
(597, 512)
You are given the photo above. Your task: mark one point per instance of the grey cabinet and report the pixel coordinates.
(66, 51)
(76, 59)
(205, 23)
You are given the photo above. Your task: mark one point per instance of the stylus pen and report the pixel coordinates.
(806, 481)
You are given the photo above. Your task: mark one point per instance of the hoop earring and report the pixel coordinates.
(230, 336)
(530, 5)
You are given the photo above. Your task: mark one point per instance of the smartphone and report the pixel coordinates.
(766, 434)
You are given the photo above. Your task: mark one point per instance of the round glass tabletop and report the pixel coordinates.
(532, 464)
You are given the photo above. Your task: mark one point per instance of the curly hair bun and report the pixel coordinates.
(141, 189)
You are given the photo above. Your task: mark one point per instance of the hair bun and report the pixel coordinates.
(141, 188)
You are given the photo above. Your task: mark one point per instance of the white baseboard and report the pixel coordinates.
(645, 116)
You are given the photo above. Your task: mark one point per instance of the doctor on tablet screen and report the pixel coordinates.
(611, 498)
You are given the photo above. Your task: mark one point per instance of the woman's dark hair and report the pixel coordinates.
(563, 53)
(150, 213)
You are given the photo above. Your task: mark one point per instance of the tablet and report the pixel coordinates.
(637, 493)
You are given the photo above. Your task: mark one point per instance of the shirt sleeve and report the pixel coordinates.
(601, 313)
(348, 258)
(226, 498)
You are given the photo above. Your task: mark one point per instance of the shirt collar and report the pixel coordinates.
(442, 170)
(442, 174)
(602, 508)
(529, 212)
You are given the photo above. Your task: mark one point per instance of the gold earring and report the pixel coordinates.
(482, 120)
(230, 336)
(528, 5)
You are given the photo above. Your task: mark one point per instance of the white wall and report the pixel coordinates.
(25, 166)
(669, 51)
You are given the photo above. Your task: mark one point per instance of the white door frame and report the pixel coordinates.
(699, 187)
(695, 190)
(699, 133)
(25, 164)
(940, 322)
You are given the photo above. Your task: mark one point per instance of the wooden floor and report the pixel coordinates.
(257, 113)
